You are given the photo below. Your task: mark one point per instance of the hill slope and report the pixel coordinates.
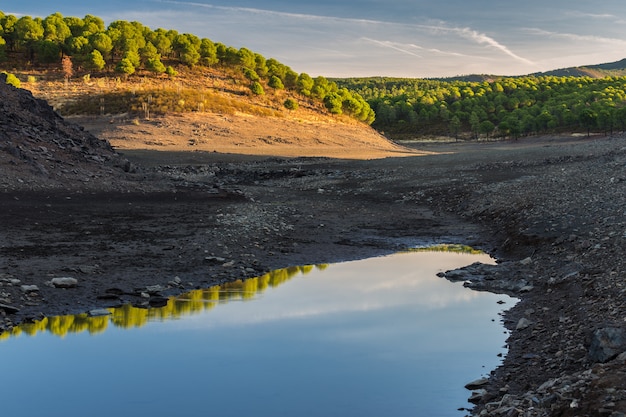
(609, 69)
(38, 149)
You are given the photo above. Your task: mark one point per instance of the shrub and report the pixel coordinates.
(291, 104)
(257, 88)
(171, 71)
(13, 80)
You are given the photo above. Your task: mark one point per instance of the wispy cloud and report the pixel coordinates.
(575, 13)
(575, 37)
(482, 38)
(274, 13)
(410, 48)
(404, 48)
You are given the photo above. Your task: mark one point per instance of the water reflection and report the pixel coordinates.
(383, 336)
(193, 302)
(197, 301)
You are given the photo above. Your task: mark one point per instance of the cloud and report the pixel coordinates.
(404, 48)
(482, 38)
(575, 37)
(591, 15)
(408, 48)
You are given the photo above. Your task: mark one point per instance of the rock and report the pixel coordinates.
(30, 288)
(99, 312)
(9, 309)
(64, 282)
(154, 289)
(158, 302)
(215, 259)
(477, 396)
(477, 384)
(523, 323)
(526, 261)
(607, 343)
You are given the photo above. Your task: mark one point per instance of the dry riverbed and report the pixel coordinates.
(163, 222)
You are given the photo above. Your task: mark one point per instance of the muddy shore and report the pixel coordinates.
(552, 210)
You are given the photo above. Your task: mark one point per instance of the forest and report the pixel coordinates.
(471, 108)
(498, 107)
(87, 46)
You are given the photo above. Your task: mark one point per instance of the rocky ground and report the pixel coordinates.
(117, 228)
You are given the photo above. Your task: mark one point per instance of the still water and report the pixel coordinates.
(378, 337)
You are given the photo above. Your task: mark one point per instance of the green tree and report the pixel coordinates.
(169, 70)
(155, 65)
(257, 88)
(333, 103)
(474, 122)
(304, 84)
(208, 53)
(47, 51)
(56, 29)
(291, 104)
(455, 126)
(486, 127)
(251, 74)
(126, 67)
(3, 55)
(246, 58)
(29, 31)
(95, 61)
(588, 119)
(276, 83)
(102, 43)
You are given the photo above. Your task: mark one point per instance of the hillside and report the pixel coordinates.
(40, 150)
(610, 69)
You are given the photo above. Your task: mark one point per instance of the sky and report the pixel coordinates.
(395, 38)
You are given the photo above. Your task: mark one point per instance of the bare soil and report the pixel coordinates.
(255, 195)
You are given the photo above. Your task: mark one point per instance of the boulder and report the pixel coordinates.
(64, 282)
(607, 343)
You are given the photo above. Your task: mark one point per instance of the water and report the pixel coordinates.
(379, 337)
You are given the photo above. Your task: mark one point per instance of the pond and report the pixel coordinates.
(377, 337)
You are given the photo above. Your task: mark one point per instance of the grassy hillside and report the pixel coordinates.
(81, 66)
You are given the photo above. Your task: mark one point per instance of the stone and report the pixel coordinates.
(477, 383)
(99, 312)
(30, 288)
(477, 396)
(523, 323)
(9, 309)
(64, 282)
(526, 261)
(607, 344)
(154, 289)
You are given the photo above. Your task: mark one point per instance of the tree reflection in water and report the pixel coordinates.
(189, 303)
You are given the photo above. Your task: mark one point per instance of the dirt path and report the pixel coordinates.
(551, 209)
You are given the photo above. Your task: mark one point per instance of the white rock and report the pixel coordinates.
(30, 288)
(99, 312)
(526, 261)
(64, 282)
(523, 323)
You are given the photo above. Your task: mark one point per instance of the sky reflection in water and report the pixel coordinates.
(379, 337)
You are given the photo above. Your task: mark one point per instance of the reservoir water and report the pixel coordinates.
(378, 337)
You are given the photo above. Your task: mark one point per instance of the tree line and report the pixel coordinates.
(126, 47)
(504, 107)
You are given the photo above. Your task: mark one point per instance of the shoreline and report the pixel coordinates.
(551, 211)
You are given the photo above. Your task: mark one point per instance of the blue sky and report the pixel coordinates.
(404, 38)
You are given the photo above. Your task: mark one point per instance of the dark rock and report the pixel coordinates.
(158, 302)
(607, 344)
(9, 309)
